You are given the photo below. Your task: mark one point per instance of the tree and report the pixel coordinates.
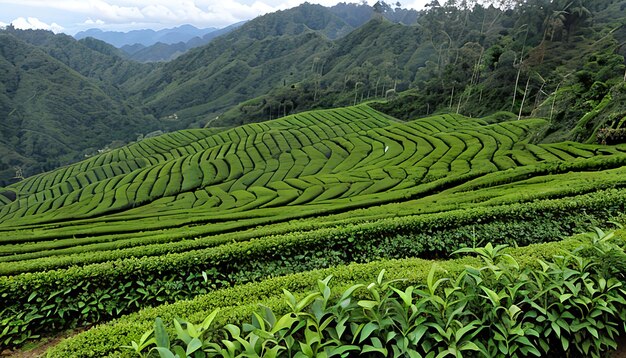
(19, 174)
(578, 14)
(554, 24)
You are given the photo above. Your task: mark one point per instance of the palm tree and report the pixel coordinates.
(555, 22)
(577, 14)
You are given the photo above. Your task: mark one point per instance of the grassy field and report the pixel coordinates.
(186, 213)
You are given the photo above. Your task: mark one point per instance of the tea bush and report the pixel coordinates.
(565, 306)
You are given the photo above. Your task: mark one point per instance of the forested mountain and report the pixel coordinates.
(560, 60)
(146, 37)
(51, 113)
(91, 58)
(262, 54)
(474, 61)
(164, 51)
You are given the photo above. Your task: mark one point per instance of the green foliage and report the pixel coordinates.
(497, 309)
(63, 299)
(129, 284)
(238, 303)
(153, 189)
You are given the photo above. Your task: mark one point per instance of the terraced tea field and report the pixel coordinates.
(184, 213)
(308, 164)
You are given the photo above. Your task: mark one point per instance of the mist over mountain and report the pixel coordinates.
(165, 52)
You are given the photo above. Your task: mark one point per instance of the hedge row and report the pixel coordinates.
(238, 303)
(56, 254)
(64, 230)
(35, 303)
(494, 309)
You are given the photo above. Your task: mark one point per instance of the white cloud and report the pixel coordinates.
(35, 24)
(89, 21)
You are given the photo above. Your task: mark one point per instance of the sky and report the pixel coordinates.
(71, 16)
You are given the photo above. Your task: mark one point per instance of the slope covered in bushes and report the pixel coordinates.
(187, 213)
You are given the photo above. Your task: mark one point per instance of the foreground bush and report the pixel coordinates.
(572, 305)
(50, 301)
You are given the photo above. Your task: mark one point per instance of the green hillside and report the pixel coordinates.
(471, 61)
(330, 160)
(144, 223)
(535, 60)
(52, 115)
(447, 174)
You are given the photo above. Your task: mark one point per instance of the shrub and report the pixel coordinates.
(238, 303)
(564, 307)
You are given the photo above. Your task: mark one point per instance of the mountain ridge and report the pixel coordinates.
(146, 37)
(166, 52)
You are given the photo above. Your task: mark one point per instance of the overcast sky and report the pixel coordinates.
(71, 16)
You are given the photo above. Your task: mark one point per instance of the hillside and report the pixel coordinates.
(53, 115)
(353, 158)
(151, 46)
(291, 45)
(91, 58)
(270, 51)
(472, 61)
(536, 60)
(288, 195)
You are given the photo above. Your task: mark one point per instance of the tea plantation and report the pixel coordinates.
(227, 218)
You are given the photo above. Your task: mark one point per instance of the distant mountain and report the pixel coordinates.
(156, 46)
(64, 98)
(146, 37)
(165, 52)
(155, 53)
(351, 15)
(132, 49)
(279, 50)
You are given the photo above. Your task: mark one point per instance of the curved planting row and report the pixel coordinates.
(308, 191)
(57, 299)
(307, 159)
